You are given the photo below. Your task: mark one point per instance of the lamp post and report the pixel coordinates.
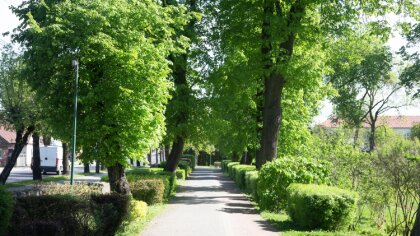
(75, 64)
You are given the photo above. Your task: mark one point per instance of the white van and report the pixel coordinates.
(51, 159)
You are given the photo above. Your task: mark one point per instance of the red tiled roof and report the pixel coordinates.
(7, 137)
(396, 122)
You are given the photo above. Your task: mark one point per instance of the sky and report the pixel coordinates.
(8, 22)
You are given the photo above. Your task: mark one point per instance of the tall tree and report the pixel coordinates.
(16, 105)
(123, 69)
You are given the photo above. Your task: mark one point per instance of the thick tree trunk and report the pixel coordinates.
(165, 157)
(36, 159)
(117, 180)
(175, 155)
(86, 168)
(271, 116)
(66, 166)
(21, 141)
(416, 227)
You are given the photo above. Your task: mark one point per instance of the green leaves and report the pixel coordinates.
(122, 47)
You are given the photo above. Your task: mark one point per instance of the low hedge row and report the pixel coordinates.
(251, 181)
(238, 174)
(223, 164)
(69, 215)
(313, 206)
(230, 170)
(151, 191)
(6, 209)
(169, 179)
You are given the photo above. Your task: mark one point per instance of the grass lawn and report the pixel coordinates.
(53, 178)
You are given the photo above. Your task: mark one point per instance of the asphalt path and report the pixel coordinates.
(209, 204)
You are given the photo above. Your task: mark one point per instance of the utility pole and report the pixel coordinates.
(75, 64)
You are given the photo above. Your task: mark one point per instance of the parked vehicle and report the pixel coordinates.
(51, 159)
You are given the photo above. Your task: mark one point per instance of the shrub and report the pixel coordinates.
(224, 164)
(138, 209)
(169, 179)
(110, 210)
(42, 227)
(251, 180)
(276, 176)
(192, 160)
(180, 173)
(72, 213)
(313, 206)
(149, 190)
(217, 164)
(239, 174)
(84, 190)
(6, 209)
(230, 171)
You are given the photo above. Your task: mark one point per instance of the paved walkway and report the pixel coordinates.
(209, 204)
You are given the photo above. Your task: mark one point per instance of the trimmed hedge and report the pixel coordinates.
(180, 174)
(69, 215)
(274, 178)
(238, 172)
(313, 206)
(169, 179)
(6, 209)
(230, 170)
(251, 181)
(224, 164)
(151, 191)
(192, 159)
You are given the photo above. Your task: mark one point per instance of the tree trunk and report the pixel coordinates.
(117, 180)
(166, 155)
(372, 137)
(36, 159)
(149, 156)
(235, 156)
(97, 167)
(416, 227)
(86, 168)
(175, 155)
(66, 166)
(21, 141)
(356, 137)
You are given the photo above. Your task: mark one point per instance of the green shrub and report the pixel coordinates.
(224, 164)
(239, 174)
(84, 190)
(191, 158)
(72, 213)
(217, 164)
(313, 206)
(276, 176)
(149, 190)
(251, 180)
(138, 209)
(185, 165)
(180, 173)
(42, 227)
(6, 209)
(169, 179)
(230, 170)
(110, 210)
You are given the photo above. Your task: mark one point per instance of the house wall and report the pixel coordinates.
(24, 159)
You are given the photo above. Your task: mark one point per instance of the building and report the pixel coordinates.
(7, 143)
(401, 124)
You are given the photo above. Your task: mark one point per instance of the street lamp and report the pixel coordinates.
(75, 64)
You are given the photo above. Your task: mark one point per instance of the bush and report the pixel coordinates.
(224, 164)
(251, 180)
(169, 179)
(149, 190)
(276, 176)
(69, 215)
(313, 206)
(84, 190)
(239, 174)
(192, 160)
(6, 209)
(110, 210)
(42, 227)
(230, 171)
(138, 209)
(180, 173)
(70, 212)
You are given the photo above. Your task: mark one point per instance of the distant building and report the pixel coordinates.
(7, 143)
(401, 124)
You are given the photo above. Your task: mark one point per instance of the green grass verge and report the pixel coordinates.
(135, 227)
